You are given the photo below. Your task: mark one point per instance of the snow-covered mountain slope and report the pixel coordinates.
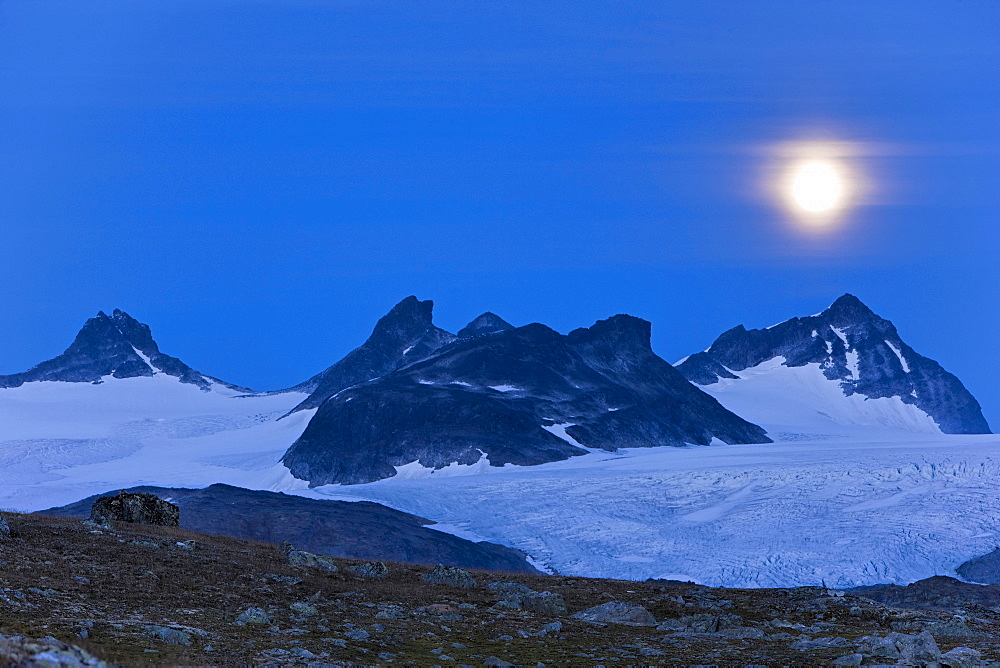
(115, 346)
(60, 441)
(842, 368)
(845, 511)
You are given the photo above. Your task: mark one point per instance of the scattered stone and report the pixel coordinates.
(962, 657)
(450, 575)
(510, 591)
(848, 660)
(289, 580)
(168, 635)
(545, 603)
(618, 612)
(152, 544)
(372, 569)
(304, 609)
(253, 616)
(137, 508)
(18, 650)
(4, 529)
(81, 579)
(391, 612)
(554, 627)
(497, 662)
(820, 643)
(358, 634)
(953, 627)
(185, 544)
(319, 562)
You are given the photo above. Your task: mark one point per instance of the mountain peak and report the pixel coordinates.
(847, 307)
(403, 335)
(860, 353)
(620, 330)
(117, 345)
(487, 323)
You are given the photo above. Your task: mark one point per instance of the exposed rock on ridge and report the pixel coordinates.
(405, 334)
(853, 346)
(117, 345)
(508, 396)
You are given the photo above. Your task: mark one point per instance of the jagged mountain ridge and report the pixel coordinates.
(853, 347)
(403, 335)
(524, 396)
(118, 346)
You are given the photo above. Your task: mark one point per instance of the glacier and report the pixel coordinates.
(842, 498)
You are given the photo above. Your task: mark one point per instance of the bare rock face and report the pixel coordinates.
(136, 508)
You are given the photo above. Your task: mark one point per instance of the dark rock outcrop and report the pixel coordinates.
(135, 508)
(118, 346)
(357, 530)
(403, 335)
(984, 569)
(853, 346)
(937, 592)
(508, 396)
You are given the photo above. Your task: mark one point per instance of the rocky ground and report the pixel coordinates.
(75, 593)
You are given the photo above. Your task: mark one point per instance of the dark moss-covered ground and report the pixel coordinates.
(134, 596)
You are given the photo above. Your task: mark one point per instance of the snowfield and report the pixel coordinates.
(60, 442)
(838, 499)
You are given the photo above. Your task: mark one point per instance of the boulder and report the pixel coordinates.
(18, 650)
(253, 616)
(372, 569)
(962, 657)
(450, 575)
(319, 562)
(545, 603)
(136, 508)
(4, 529)
(510, 591)
(303, 608)
(953, 627)
(916, 649)
(617, 612)
(168, 635)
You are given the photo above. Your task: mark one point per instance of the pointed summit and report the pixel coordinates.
(403, 335)
(116, 346)
(847, 310)
(857, 351)
(487, 323)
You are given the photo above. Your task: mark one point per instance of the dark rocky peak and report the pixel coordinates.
(622, 331)
(408, 319)
(404, 335)
(522, 396)
(852, 346)
(117, 345)
(848, 310)
(487, 323)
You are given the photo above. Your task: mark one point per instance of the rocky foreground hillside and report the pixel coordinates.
(143, 595)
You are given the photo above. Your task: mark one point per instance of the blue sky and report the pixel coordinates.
(260, 181)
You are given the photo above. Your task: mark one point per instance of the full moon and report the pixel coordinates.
(816, 187)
